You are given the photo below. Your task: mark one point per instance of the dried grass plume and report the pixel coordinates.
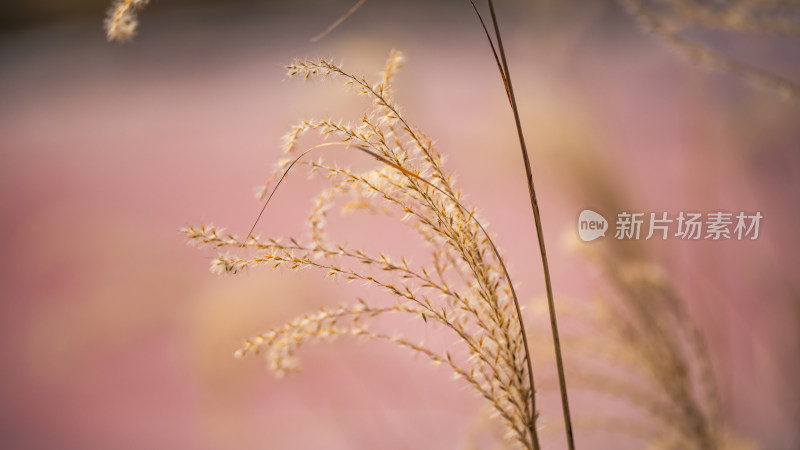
(463, 289)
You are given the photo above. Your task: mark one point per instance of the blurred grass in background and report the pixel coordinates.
(115, 335)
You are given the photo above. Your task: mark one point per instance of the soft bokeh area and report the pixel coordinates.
(115, 334)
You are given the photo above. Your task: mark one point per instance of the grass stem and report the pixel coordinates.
(505, 73)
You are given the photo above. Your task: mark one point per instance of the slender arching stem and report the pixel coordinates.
(280, 180)
(502, 64)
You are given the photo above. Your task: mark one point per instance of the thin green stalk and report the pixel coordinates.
(505, 73)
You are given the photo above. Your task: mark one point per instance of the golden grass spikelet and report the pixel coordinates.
(121, 21)
(464, 289)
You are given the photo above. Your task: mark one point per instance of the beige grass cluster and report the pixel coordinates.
(653, 357)
(464, 288)
(674, 21)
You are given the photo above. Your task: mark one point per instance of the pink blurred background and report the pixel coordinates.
(116, 335)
